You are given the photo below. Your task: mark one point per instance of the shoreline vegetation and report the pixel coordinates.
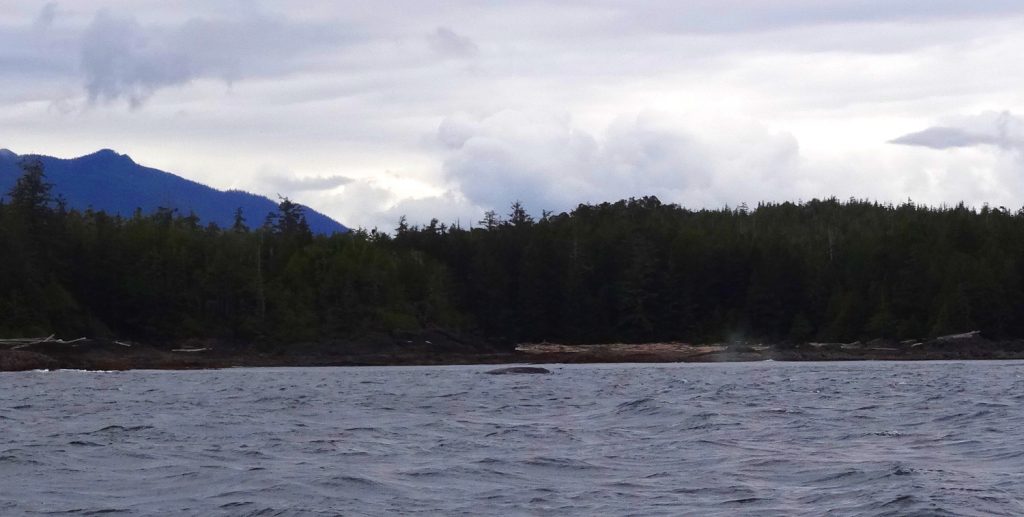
(815, 280)
(441, 348)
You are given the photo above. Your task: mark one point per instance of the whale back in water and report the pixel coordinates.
(518, 369)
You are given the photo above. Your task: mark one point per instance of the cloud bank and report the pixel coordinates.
(543, 160)
(547, 162)
(451, 109)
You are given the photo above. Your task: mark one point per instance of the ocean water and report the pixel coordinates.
(870, 438)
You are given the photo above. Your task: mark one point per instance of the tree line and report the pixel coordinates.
(634, 270)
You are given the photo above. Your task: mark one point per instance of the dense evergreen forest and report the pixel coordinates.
(635, 270)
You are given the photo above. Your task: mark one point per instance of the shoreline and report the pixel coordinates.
(440, 348)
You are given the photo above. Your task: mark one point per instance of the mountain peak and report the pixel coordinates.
(109, 154)
(110, 181)
(7, 154)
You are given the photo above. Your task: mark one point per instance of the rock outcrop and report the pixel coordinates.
(21, 360)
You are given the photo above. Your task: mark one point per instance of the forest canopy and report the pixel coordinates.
(634, 270)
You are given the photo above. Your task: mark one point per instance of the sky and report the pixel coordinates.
(368, 111)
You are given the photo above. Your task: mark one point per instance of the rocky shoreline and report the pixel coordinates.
(966, 346)
(442, 348)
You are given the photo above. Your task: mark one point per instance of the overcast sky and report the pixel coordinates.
(370, 110)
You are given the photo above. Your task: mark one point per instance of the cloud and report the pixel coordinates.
(1002, 130)
(545, 109)
(549, 164)
(447, 43)
(44, 20)
(723, 16)
(449, 208)
(361, 203)
(123, 59)
(309, 183)
(940, 137)
(120, 60)
(512, 155)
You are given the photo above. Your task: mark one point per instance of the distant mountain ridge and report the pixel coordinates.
(113, 182)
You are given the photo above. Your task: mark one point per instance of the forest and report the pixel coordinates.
(635, 270)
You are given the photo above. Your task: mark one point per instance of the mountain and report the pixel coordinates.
(114, 183)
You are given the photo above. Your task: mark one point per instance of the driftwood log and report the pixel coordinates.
(25, 342)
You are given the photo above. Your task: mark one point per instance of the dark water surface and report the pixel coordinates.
(718, 439)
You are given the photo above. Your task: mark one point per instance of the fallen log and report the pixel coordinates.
(20, 343)
(49, 341)
(24, 340)
(959, 337)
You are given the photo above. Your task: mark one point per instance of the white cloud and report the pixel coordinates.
(548, 163)
(449, 208)
(359, 204)
(289, 183)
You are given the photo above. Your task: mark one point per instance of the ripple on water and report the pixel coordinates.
(756, 438)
